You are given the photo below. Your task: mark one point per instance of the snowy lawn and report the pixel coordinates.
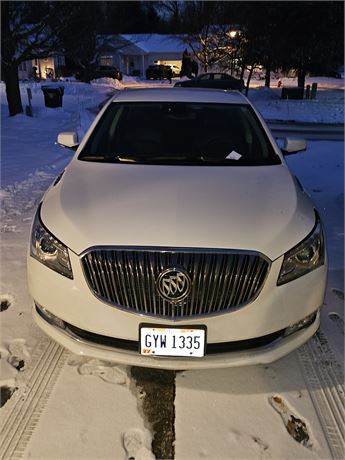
(94, 409)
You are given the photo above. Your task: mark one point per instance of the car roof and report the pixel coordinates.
(181, 94)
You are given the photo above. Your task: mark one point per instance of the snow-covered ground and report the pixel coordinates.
(94, 409)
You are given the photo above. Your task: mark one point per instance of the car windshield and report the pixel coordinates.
(185, 133)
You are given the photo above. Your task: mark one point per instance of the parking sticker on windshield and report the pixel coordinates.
(233, 156)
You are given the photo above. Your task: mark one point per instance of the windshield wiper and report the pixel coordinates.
(180, 160)
(126, 159)
(212, 161)
(107, 159)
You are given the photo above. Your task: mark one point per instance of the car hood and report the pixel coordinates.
(246, 208)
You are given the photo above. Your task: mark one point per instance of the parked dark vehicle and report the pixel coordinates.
(158, 71)
(213, 80)
(103, 71)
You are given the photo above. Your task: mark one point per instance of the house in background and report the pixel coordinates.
(45, 68)
(133, 53)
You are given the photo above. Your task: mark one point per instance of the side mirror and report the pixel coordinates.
(293, 146)
(68, 139)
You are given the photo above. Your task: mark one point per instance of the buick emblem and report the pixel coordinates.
(173, 284)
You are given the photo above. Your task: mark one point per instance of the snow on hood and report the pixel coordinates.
(247, 208)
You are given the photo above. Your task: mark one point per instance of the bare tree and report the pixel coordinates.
(173, 13)
(300, 35)
(28, 30)
(202, 20)
(317, 39)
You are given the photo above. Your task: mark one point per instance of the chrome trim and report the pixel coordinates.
(164, 249)
(126, 278)
(167, 290)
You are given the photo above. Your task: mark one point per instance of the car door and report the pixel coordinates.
(219, 81)
(204, 81)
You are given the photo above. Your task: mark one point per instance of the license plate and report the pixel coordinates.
(172, 341)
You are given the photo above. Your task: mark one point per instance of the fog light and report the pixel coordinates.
(52, 319)
(303, 323)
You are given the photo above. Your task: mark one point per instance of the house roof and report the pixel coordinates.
(157, 43)
(142, 44)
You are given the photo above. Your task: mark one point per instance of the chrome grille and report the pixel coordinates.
(221, 280)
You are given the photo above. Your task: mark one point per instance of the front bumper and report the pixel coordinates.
(275, 309)
(263, 354)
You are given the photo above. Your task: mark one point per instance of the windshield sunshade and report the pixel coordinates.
(179, 133)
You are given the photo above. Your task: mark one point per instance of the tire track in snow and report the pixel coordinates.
(324, 379)
(21, 413)
(156, 396)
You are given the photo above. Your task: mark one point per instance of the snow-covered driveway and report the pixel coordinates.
(68, 407)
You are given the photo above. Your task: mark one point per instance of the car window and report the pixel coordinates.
(205, 77)
(180, 133)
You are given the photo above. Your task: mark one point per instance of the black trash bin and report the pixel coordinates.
(53, 95)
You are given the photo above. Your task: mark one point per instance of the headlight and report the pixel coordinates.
(304, 257)
(48, 250)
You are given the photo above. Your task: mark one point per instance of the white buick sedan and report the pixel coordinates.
(177, 237)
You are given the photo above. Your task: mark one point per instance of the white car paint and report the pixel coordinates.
(240, 208)
(146, 205)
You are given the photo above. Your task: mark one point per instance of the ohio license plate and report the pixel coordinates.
(172, 341)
